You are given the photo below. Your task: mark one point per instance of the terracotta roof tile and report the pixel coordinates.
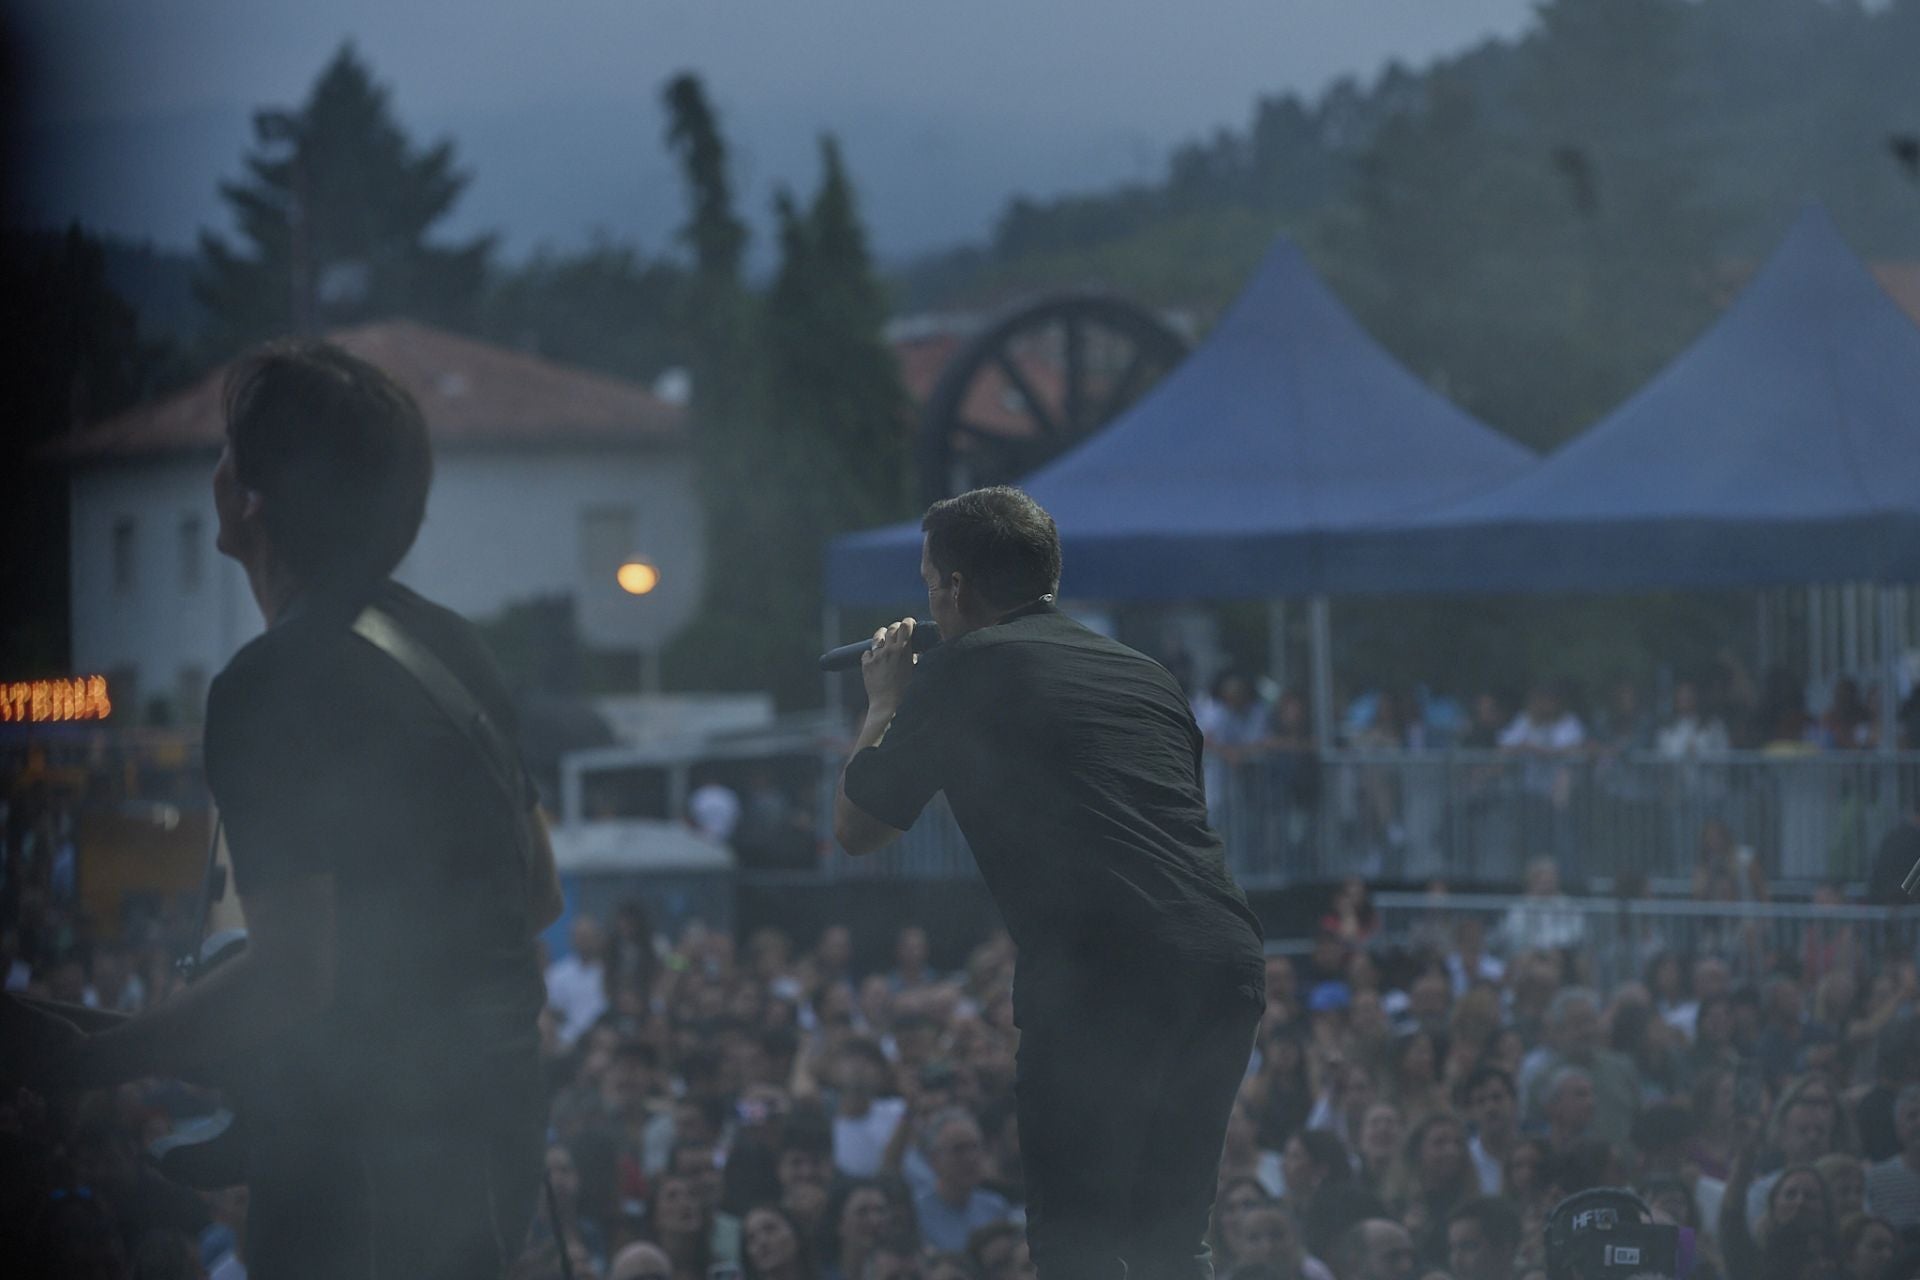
(1901, 280)
(472, 393)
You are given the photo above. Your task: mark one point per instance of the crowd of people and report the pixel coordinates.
(1720, 711)
(1621, 783)
(1410, 1112)
(1413, 1111)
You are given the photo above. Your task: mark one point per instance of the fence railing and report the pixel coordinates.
(1617, 939)
(1480, 817)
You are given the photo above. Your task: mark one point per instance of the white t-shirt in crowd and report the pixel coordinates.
(1691, 736)
(1563, 734)
(1272, 1174)
(715, 810)
(1486, 969)
(579, 992)
(1708, 1195)
(1487, 1165)
(1684, 1018)
(860, 1142)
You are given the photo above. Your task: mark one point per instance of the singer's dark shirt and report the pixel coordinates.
(1072, 765)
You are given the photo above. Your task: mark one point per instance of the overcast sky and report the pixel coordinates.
(945, 109)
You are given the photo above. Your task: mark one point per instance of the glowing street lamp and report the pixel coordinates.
(637, 577)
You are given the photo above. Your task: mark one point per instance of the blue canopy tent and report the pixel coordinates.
(1781, 448)
(1289, 426)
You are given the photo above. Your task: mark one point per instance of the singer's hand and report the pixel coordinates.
(887, 667)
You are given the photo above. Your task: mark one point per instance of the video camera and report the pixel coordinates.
(1609, 1234)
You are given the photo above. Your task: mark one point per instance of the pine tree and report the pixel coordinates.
(756, 621)
(75, 355)
(717, 237)
(832, 372)
(719, 315)
(333, 218)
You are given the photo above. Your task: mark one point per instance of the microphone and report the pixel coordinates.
(847, 656)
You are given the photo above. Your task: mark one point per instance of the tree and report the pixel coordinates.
(832, 375)
(334, 216)
(75, 355)
(744, 635)
(720, 314)
(808, 437)
(1535, 244)
(604, 307)
(717, 237)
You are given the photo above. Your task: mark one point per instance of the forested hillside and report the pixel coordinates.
(1535, 226)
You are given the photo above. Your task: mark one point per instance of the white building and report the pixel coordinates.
(546, 480)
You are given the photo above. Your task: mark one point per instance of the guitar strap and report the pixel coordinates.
(384, 633)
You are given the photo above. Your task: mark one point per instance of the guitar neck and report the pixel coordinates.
(82, 1016)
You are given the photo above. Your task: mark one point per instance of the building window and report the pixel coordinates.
(606, 540)
(192, 552)
(123, 554)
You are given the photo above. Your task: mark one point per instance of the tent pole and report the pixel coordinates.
(1889, 673)
(1849, 663)
(1816, 650)
(829, 638)
(1320, 623)
(1277, 642)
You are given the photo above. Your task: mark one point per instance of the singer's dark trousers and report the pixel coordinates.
(1123, 1100)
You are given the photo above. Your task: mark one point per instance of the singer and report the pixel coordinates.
(1072, 764)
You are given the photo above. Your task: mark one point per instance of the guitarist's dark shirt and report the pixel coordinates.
(325, 756)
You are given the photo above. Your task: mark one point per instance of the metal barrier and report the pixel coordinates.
(1617, 939)
(1478, 818)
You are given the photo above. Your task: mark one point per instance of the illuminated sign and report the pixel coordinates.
(50, 701)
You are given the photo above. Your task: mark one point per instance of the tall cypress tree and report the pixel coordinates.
(719, 314)
(755, 625)
(831, 370)
(798, 410)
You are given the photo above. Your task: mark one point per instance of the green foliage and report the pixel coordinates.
(797, 411)
(1537, 279)
(831, 374)
(333, 218)
(717, 237)
(605, 307)
(1536, 225)
(729, 644)
(827, 454)
(75, 355)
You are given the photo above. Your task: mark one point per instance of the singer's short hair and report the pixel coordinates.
(339, 452)
(1002, 541)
